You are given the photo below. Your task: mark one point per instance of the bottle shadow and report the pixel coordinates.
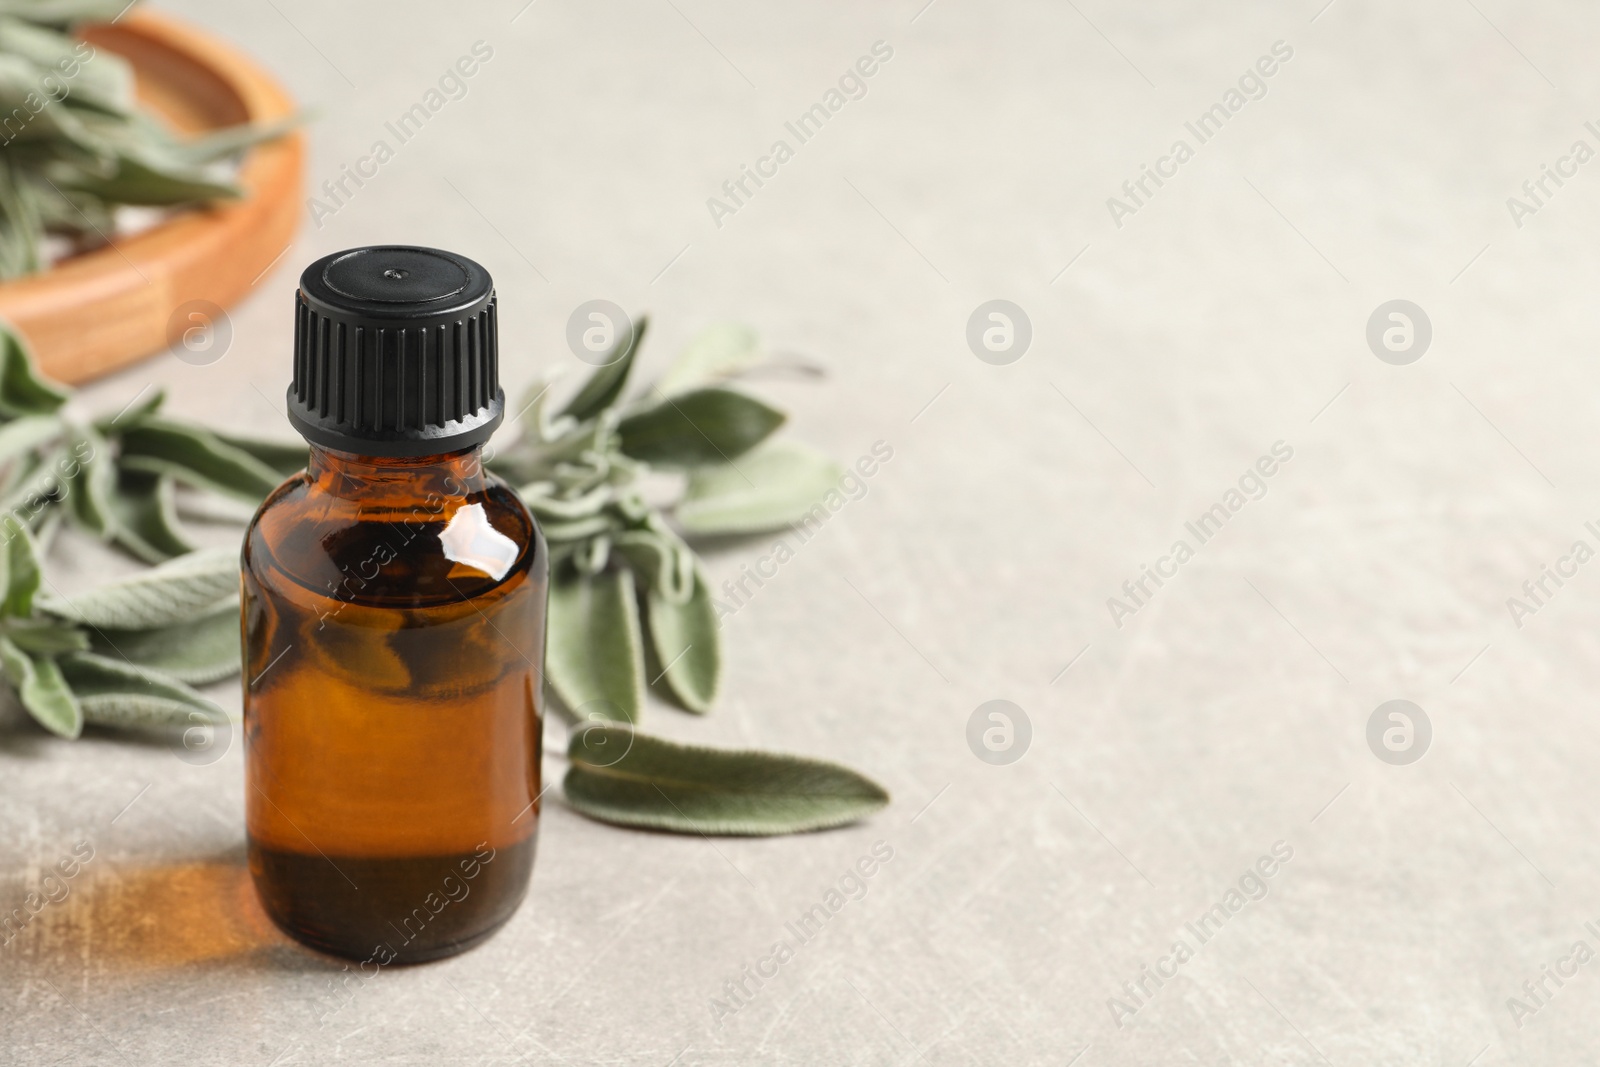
(139, 919)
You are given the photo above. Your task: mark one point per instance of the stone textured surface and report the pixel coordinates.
(1225, 314)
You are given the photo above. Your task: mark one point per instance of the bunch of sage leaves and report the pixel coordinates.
(74, 144)
(126, 654)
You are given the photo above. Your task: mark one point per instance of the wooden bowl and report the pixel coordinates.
(95, 312)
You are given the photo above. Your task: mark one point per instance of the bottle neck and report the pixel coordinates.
(374, 479)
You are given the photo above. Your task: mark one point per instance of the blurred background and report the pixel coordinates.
(1337, 345)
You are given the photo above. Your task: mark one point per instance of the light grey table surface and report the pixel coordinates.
(1226, 313)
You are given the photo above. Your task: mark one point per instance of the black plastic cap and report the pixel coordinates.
(396, 353)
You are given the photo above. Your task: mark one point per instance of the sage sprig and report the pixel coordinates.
(120, 655)
(628, 594)
(76, 144)
(582, 472)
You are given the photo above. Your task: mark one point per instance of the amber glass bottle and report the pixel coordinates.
(393, 612)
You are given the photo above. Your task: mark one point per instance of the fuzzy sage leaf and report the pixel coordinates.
(683, 636)
(593, 657)
(113, 692)
(717, 353)
(198, 650)
(196, 457)
(42, 690)
(161, 596)
(703, 426)
(772, 486)
(22, 392)
(621, 776)
(605, 385)
(146, 516)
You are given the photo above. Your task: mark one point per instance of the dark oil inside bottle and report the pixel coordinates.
(394, 623)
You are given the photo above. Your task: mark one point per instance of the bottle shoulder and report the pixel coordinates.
(397, 550)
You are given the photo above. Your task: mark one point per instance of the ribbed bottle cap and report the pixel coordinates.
(395, 352)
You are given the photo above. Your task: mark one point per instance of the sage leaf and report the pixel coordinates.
(234, 139)
(196, 457)
(90, 485)
(664, 563)
(690, 789)
(562, 509)
(284, 458)
(605, 385)
(42, 690)
(22, 571)
(138, 409)
(116, 693)
(577, 529)
(43, 637)
(198, 651)
(63, 12)
(703, 426)
(135, 181)
(22, 392)
(145, 513)
(684, 637)
(20, 436)
(593, 656)
(772, 486)
(717, 353)
(34, 482)
(161, 596)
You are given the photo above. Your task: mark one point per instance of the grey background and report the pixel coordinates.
(1227, 314)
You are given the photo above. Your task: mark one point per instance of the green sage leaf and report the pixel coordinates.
(717, 353)
(90, 485)
(136, 181)
(34, 482)
(593, 657)
(20, 436)
(198, 651)
(196, 457)
(161, 596)
(772, 486)
(605, 385)
(684, 637)
(22, 571)
(146, 516)
(63, 12)
(663, 563)
(284, 457)
(689, 789)
(140, 408)
(116, 693)
(42, 690)
(235, 139)
(42, 637)
(22, 392)
(703, 426)
(577, 529)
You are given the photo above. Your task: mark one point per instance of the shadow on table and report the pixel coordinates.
(130, 918)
